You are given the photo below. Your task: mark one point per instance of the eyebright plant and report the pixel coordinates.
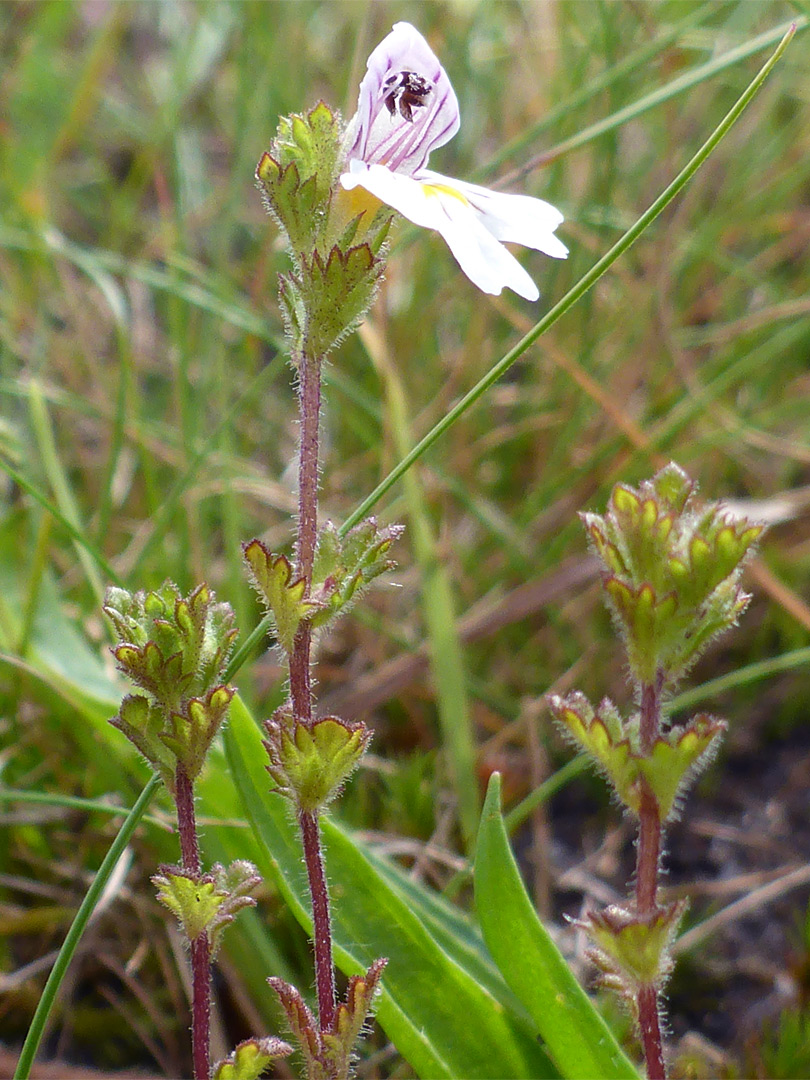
(671, 572)
(175, 648)
(332, 189)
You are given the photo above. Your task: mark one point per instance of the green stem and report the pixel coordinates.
(74, 934)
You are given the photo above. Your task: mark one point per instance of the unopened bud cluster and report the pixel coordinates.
(336, 253)
(671, 576)
(174, 648)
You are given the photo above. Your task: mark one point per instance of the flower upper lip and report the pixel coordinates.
(378, 136)
(406, 109)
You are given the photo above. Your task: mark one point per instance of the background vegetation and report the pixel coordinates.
(146, 429)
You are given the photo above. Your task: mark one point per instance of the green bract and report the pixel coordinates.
(310, 762)
(672, 579)
(175, 648)
(251, 1059)
(282, 593)
(328, 1054)
(344, 566)
(633, 950)
(337, 259)
(172, 646)
(207, 902)
(614, 746)
(298, 174)
(672, 570)
(326, 297)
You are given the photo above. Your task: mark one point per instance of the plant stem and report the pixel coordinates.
(648, 854)
(309, 399)
(321, 927)
(200, 947)
(309, 404)
(649, 1022)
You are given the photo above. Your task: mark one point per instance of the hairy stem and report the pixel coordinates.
(648, 854)
(322, 931)
(309, 404)
(200, 947)
(309, 399)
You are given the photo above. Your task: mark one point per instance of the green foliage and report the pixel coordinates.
(672, 570)
(209, 901)
(577, 1037)
(136, 265)
(633, 950)
(172, 646)
(327, 296)
(671, 574)
(328, 1054)
(251, 1059)
(282, 593)
(346, 565)
(613, 744)
(473, 1026)
(333, 281)
(785, 1049)
(310, 762)
(298, 175)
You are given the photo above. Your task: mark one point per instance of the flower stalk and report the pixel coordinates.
(301, 692)
(321, 920)
(648, 861)
(309, 408)
(200, 948)
(333, 191)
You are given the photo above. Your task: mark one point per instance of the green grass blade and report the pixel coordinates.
(75, 531)
(665, 93)
(585, 283)
(441, 1019)
(541, 794)
(438, 611)
(762, 669)
(43, 430)
(74, 934)
(579, 1040)
(639, 58)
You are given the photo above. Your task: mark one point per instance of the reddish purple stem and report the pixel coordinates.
(648, 854)
(309, 404)
(200, 947)
(309, 399)
(321, 926)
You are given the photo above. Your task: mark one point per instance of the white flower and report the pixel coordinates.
(406, 109)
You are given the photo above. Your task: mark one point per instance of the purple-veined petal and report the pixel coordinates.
(442, 206)
(376, 136)
(519, 219)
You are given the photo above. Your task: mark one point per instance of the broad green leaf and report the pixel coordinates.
(578, 1039)
(438, 1014)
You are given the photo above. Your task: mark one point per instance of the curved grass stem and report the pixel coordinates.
(77, 928)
